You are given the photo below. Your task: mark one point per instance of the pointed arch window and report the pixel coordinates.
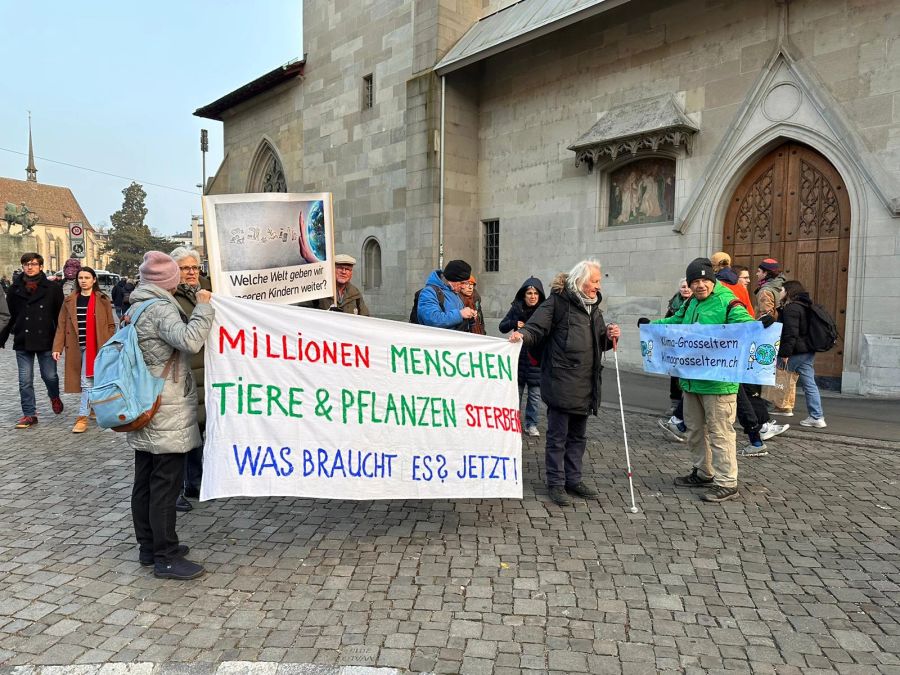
(267, 172)
(371, 264)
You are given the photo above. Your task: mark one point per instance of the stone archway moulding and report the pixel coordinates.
(786, 97)
(787, 104)
(713, 215)
(264, 150)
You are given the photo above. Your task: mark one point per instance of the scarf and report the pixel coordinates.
(90, 337)
(31, 283)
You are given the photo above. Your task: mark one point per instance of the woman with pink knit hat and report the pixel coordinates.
(160, 447)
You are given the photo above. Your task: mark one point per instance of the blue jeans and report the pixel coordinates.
(87, 383)
(25, 362)
(802, 364)
(531, 404)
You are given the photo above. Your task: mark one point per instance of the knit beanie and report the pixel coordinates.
(160, 269)
(457, 270)
(770, 265)
(71, 268)
(700, 268)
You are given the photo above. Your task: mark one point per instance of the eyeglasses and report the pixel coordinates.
(190, 268)
(33, 263)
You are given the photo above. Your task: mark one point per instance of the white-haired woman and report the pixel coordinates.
(188, 261)
(571, 329)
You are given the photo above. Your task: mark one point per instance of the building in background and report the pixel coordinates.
(524, 136)
(55, 207)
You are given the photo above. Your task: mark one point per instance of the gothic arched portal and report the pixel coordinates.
(792, 205)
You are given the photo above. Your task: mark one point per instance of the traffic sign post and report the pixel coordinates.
(76, 240)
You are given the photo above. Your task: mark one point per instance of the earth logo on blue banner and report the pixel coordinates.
(315, 229)
(763, 354)
(647, 349)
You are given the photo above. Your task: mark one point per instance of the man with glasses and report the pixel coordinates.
(349, 298)
(34, 303)
(186, 294)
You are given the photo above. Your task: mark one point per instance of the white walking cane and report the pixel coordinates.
(634, 508)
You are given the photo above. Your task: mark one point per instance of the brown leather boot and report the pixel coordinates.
(81, 425)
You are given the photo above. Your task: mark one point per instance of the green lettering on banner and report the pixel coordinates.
(446, 363)
(253, 400)
(222, 387)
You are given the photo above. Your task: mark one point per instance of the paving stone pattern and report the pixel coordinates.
(798, 576)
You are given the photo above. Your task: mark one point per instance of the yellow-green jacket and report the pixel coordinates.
(713, 310)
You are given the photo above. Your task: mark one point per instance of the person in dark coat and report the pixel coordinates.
(795, 350)
(188, 261)
(526, 302)
(570, 327)
(34, 303)
(118, 297)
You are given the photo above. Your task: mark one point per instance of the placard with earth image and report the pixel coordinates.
(274, 247)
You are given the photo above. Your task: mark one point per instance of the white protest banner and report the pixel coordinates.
(303, 402)
(270, 246)
(735, 352)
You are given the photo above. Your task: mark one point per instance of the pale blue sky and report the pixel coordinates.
(112, 85)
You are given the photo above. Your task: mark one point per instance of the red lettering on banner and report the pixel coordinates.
(493, 417)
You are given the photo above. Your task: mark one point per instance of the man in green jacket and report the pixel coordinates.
(710, 407)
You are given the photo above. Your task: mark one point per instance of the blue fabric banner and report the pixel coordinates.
(737, 352)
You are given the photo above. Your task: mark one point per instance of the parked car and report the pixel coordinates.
(106, 281)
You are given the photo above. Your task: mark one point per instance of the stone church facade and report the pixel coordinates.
(526, 136)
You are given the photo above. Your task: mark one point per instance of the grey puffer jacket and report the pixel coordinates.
(162, 328)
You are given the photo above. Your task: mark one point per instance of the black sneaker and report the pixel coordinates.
(558, 495)
(146, 557)
(693, 479)
(179, 568)
(720, 494)
(582, 490)
(182, 504)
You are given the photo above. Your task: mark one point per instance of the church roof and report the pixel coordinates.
(260, 85)
(517, 24)
(53, 204)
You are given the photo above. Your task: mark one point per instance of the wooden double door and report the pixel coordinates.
(793, 206)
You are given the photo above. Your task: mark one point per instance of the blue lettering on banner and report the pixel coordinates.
(255, 462)
(265, 461)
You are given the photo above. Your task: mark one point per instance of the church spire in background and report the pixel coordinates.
(30, 170)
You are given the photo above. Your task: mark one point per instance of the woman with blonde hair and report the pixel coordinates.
(85, 323)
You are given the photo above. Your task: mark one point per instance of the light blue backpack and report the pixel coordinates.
(126, 395)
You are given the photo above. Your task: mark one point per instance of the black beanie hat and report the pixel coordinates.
(700, 268)
(457, 270)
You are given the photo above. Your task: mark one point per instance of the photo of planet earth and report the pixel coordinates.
(315, 229)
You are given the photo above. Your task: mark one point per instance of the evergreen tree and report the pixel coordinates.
(129, 236)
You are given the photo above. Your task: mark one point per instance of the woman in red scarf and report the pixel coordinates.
(85, 323)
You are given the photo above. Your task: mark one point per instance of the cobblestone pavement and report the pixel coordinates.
(799, 575)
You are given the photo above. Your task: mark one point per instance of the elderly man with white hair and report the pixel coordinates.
(188, 261)
(569, 328)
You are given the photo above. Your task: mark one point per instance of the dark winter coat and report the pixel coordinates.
(187, 300)
(351, 303)
(529, 368)
(574, 340)
(33, 317)
(795, 327)
(118, 293)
